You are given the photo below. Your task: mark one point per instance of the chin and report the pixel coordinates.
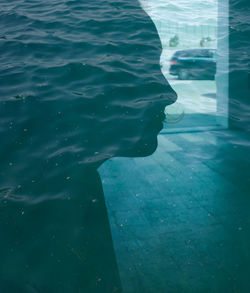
(146, 147)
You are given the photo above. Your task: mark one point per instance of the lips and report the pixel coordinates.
(163, 117)
(160, 116)
(155, 127)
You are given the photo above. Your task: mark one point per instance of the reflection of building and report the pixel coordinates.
(182, 26)
(194, 20)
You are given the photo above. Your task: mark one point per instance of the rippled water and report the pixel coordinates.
(80, 82)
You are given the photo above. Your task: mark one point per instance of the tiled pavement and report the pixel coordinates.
(180, 218)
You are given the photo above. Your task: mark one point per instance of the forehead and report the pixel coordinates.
(122, 28)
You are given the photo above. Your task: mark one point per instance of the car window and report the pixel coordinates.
(202, 54)
(194, 54)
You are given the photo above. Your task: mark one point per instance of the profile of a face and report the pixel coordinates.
(102, 94)
(131, 93)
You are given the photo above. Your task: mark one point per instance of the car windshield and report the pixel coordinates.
(195, 54)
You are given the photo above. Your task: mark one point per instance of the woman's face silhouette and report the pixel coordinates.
(133, 91)
(95, 89)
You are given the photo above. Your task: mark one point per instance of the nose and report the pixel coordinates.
(159, 93)
(163, 97)
(167, 94)
(170, 96)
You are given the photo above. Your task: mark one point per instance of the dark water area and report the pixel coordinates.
(80, 83)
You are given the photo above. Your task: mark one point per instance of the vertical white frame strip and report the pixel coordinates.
(222, 74)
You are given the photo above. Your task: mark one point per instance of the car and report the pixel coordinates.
(193, 64)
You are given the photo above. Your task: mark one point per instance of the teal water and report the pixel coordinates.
(80, 83)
